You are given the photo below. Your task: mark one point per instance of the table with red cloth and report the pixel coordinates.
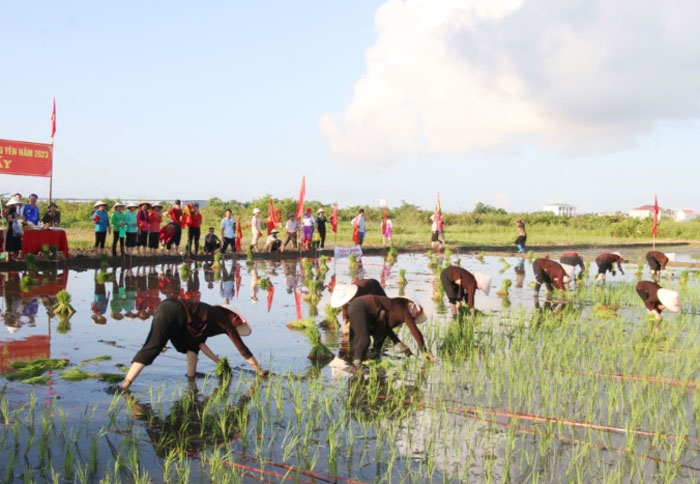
(33, 240)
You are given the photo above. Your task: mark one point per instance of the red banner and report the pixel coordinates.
(23, 158)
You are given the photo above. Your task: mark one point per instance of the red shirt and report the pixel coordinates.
(194, 220)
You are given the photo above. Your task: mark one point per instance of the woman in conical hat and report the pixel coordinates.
(605, 263)
(657, 261)
(656, 298)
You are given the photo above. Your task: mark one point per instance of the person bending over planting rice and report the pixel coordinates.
(342, 295)
(460, 286)
(187, 325)
(377, 316)
(656, 299)
(605, 263)
(657, 262)
(550, 273)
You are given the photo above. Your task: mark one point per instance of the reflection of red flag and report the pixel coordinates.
(656, 216)
(53, 118)
(270, 294)
(302, 194)
(239, 234)
(297, 302)
(237, 277)
(334, 219)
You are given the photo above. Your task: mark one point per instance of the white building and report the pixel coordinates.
(685, 214)
(563, 209)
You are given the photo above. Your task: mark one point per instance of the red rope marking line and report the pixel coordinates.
(691, 384)
(318, 476)
(598, 446)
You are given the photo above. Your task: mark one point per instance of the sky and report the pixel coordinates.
(511, 103)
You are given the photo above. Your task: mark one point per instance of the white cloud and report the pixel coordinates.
(458, 76)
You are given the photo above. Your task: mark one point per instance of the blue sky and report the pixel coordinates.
(511, 103)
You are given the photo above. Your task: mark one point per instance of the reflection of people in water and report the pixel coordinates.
(227, 284)
(290, 276)
(100, 302)
(169, 280)
(204, 416)
(519, 269)
(187, 324)
(254, 288)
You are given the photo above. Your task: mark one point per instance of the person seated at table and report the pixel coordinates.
(212, 243)
(52, 217)
(30, 212)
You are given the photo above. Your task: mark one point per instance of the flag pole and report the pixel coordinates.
(53, 133)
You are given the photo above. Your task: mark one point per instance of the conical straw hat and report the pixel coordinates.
(483, 282)
(342, 294)
(669, 299)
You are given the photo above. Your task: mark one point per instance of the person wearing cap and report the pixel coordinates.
(291, 228)
(30, 212)
(551, 274)
(657, 262)
(272, 244)
(118, 221)
(52, 217)
(142, 218)
(188, 325)
(132, 227)
(155, 219)
(321, 222)
(13, 238)
(460, 285)
(522, 236)
(656, 299)
(256, 229)
(605, 263)
(378, 317)
(100, 219)
(228, 232)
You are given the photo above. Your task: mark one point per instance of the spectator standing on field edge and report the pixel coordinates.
(522, 236)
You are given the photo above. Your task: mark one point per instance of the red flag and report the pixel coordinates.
(438, 209)
(239, 234)
(656, 216)
(302, 193)
(271, 220)
(334, 219)
(53, 118)
(355, 231)
(384, 217)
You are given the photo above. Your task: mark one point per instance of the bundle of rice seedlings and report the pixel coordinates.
(63, 307)
(323, 264)
(301, 324)
(264, 283)
(402, 278)
(24, 370)
(352, 262)
(76, 374)
(319, 351)
(63, 325)
(222, 368)
(216, 265)
(503, 291)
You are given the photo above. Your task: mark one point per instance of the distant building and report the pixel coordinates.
(562, 209)
(648, 211)
(685, 214)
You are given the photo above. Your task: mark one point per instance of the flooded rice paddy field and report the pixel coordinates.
(582, 387)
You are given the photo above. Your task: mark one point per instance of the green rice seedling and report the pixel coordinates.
(95, 360)
(264, 283)
(301, 324)
(63, 324)
(332, 314)
(505, 286)
(216, 263)
(223, 368)
(480, 257)
(104, 276)
(24, 370)
(76, 374)
(505, 263)
(307, 266)
(352, 262)
(249, 255)
(185, 271)
(26, 282)
(319, 351)
(401, 282)
(323, 264)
